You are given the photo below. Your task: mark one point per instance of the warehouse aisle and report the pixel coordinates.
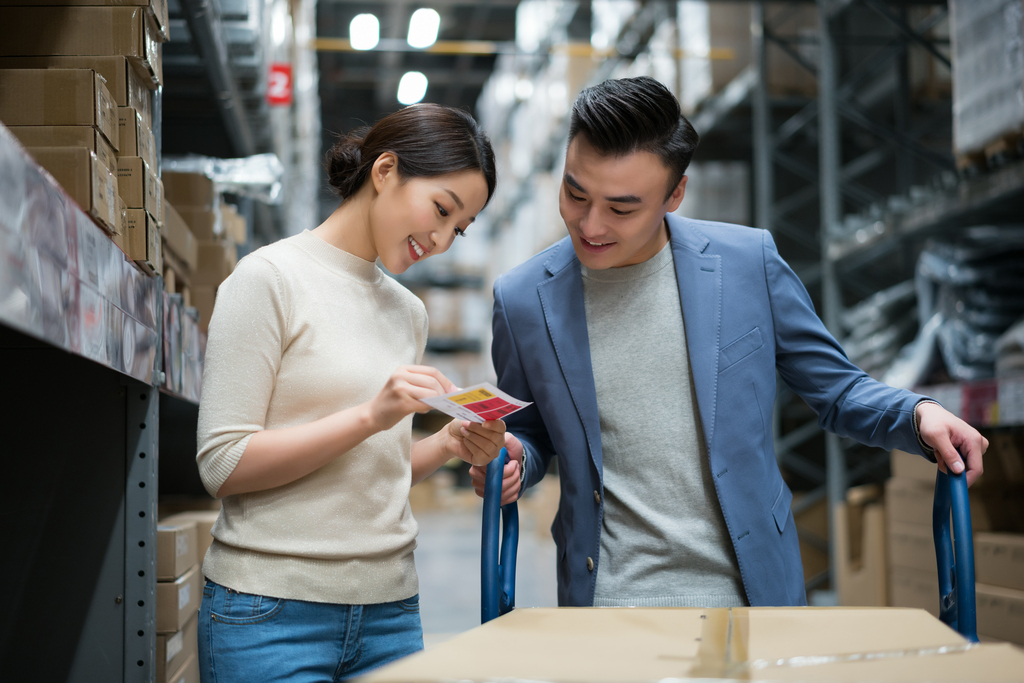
(448, 560)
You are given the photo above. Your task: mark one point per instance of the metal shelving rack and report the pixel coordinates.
(83, 332)
(814, 160)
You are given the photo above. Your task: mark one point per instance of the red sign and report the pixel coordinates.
(279, 84)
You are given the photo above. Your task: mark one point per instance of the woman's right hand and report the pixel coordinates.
(403, 391)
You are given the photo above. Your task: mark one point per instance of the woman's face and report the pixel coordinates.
(420, 217)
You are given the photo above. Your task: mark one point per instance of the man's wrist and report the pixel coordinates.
(928, 450)
(522, 474)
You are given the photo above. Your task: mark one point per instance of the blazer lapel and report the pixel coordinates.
(700, 291)
(561, 298)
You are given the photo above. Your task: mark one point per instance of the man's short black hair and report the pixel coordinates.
(627, 115)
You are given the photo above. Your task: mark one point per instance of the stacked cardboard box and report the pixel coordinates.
(218, 230)
(861, 573)
(181, 254)
(996, 502)
(178, 594)
(999, 570)
(117, 43)
(68, 121)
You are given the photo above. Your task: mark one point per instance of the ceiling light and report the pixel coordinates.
(524, 89)
(412, 87)
(364, 32)
(423, 28)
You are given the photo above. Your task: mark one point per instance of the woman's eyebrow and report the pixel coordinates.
(456, 198)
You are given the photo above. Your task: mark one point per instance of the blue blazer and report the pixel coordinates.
(747, 315)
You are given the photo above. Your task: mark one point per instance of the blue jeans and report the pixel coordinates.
(247, 638)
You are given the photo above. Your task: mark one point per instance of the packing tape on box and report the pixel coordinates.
(723, 651)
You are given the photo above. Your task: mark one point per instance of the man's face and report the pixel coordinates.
(614, 207)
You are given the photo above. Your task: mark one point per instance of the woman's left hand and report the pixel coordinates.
(476, 443)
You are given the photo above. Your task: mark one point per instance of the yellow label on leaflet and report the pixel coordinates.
(471, 397)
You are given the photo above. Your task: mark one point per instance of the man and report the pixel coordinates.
(649, 345)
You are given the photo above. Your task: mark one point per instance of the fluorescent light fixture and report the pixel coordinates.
(412, 87)
(523, 89)
(423, 28)
(364, 32)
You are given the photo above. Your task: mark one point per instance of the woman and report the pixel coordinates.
(305, 423)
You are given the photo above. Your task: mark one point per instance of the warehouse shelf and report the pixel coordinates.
(453, 345)
(442, 280)
(997, 402)
(64, 281)
(719, 106)
(973, 200)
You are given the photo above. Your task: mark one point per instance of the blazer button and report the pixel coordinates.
(597, 497)
(590, 564)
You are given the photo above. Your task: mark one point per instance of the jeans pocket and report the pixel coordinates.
(245, 608)
(410, 604)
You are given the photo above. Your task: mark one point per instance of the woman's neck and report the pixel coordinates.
(348, 228)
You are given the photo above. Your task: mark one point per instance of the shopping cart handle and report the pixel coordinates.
(498, 576)
(956, 577)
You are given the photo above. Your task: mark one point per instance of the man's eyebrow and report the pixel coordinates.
(623, 199)
(456, 198)
(572, 181)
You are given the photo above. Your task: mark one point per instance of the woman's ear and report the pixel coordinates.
(383, 169)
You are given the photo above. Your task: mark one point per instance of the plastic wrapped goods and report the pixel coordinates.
(976, 285)
(988, 71)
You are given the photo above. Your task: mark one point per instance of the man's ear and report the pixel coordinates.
(676, 198)
(383, 170)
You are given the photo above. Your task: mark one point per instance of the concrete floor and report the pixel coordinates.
(448, 563)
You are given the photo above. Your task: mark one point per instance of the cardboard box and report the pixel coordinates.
(188, 673)
(912, 546)
(175, 549)
(203, 298)
(178, 601)
(1001, 613)
(136, 139)
(216, 261)
(610, 645)
(84, 31)
(861, 576)
(999, 560)
(205, 224)
(914, 588)
(204, 521)
(85, 179)
(909, 500)
(139, 186)
(179, 238)
(69, 136)
(143, 241)
(191, 191)
(120, 237)
(57, 97)
(123, 82)
(234, 224)
(156, 8)
(909, 466)
(174, 649)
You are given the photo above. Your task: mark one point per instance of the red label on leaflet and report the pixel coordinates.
(279, 84)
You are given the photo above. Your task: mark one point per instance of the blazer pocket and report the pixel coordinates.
(740, 349)
(781, 509)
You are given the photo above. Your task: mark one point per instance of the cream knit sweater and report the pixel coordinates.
(301, 330)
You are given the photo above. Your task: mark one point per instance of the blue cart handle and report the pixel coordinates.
(956, 577)
(498, 576)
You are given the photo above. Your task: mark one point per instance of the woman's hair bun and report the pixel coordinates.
(427, 140)
(343, 162)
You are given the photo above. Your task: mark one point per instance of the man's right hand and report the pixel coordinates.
(509, 478)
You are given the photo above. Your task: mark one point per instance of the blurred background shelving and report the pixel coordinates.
(879, 141)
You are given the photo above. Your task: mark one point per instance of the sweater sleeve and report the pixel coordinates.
(247, 336)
